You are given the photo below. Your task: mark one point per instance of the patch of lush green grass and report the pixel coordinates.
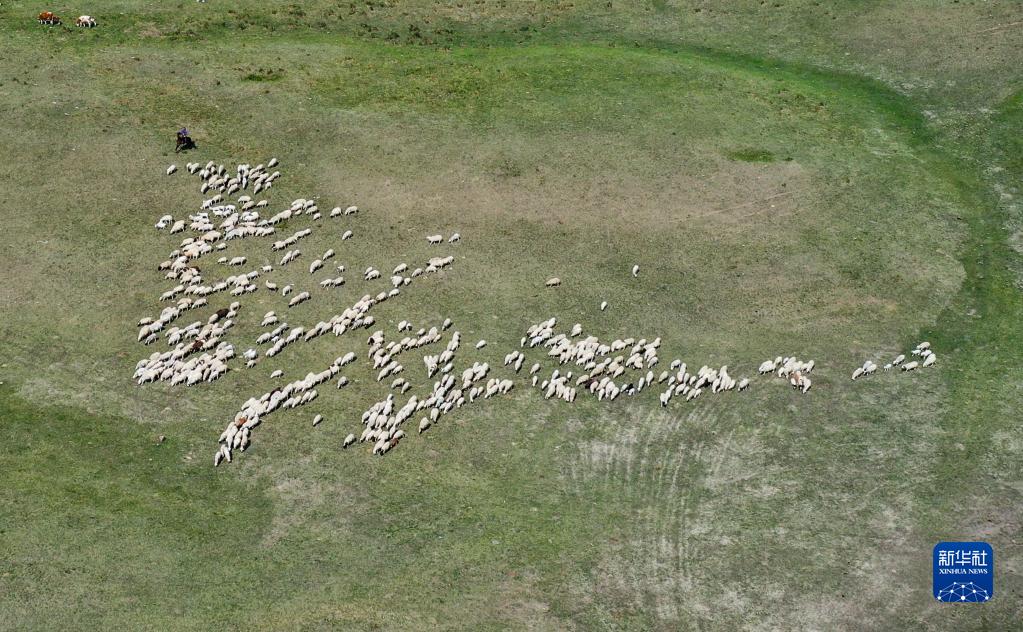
(751, 155)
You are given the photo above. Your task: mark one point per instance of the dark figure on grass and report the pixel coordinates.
(184, 141)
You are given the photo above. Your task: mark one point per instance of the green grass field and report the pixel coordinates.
(836, 181)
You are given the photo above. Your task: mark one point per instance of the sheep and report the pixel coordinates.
(929, 360)
(351, 210)
(909, 366)
(743, 384)
(434, 239)
(317, 419)
(171, 169)
(349, 440)
(481, 344)
(553, 282)
(898, 360)
(454, 237)
(276, 374)
(603, 305)
(635, 270)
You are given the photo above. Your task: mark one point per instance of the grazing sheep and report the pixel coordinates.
(317, 419)
(171, 169)
(553, 282)
(349, 440)
(909, 366)
(299, 298)
(635, 270)
(929, 360)
(435, 239)
(454, 237)
(481, 344)
(603, 305)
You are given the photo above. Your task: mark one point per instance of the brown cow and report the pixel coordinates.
(48, 17)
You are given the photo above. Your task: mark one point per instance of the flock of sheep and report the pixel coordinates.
(923, 350)
(199, 351)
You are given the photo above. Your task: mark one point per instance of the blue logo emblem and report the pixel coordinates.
(964, 571)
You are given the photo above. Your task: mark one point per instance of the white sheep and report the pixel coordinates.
(481, 344)
(603, 305)
(553, 282)
(454, 237)
(171, 169)
(929, 360)
(635, 270)
(909, 366)
(435, 239)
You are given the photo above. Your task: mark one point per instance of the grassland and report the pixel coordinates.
(831, 181)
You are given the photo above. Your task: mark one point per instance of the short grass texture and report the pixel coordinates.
(831, 180)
